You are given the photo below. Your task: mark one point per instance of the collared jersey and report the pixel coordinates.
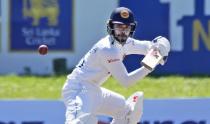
(105, 59)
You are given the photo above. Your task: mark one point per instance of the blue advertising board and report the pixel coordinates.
(155, 111)
(35, 22)
(185, 23)
(176, 111)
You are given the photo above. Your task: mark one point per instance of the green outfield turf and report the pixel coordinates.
(33, 87)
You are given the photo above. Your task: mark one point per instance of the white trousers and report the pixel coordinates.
(86, 99)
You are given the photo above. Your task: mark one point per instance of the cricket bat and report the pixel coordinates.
(152, 59)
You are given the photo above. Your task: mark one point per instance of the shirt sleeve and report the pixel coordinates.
(134, 46)
(113, 63)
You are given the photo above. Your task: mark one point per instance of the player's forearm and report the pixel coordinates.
(134, 76)
(119, 72)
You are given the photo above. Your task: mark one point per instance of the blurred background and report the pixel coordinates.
(30, 83)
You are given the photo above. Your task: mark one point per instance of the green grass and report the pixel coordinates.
(33, 87)
(167, 87)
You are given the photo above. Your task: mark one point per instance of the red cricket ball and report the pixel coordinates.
(43, 49)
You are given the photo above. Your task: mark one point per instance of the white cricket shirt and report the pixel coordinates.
(105, 59)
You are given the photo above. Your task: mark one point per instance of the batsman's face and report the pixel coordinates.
(122, 32)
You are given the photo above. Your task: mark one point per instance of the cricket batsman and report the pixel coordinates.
(82, 92)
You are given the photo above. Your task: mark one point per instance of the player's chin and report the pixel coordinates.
(122, 38)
